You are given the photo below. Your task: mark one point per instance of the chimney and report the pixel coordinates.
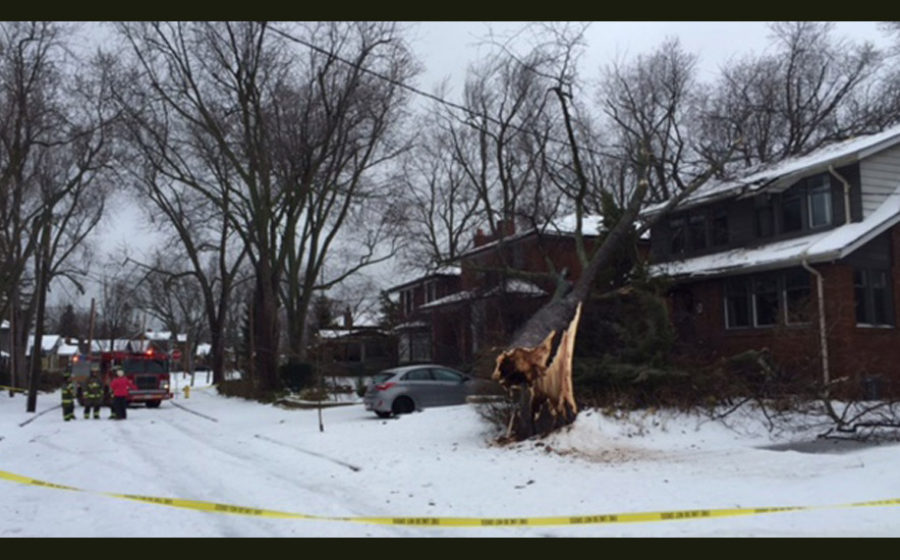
(480, 238)
(506, 227)
(348, 319)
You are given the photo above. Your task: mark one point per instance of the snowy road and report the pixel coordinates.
(436, 463)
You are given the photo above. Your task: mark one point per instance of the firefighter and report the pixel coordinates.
(93, 394)
(68, 397)
(120, 387)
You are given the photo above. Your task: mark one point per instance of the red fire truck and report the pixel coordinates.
(149, 371)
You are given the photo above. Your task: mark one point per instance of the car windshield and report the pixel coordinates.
(144, 365)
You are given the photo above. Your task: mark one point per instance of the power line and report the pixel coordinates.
(418, 91)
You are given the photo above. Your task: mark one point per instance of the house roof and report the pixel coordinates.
(564, 226)
(119, 345)
(67, 349)
(164, 336)
(444, 271)
(48, 343)
(780, 175)
(826, 246)
(511, 286)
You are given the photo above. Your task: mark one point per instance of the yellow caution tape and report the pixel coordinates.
(640, 517)
(5, 388)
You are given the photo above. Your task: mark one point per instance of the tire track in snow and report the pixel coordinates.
(228, 527)
(353, 468)
(324, 491)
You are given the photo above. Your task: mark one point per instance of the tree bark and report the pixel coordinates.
(542, 377)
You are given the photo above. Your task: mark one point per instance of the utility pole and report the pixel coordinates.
(90, 343)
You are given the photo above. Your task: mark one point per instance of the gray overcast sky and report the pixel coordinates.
(447, 48)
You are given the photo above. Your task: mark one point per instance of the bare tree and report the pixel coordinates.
(813, 89)
(169, 292)
(117, 305)
(440, 203)
(56, 149)
(286, 140)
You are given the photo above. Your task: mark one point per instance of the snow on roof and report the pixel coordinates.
(158, 335)
(203, 349)
(518, 287)
(785, 172)
(48, 343)
(118, 345)
(452, 298)
(563, 225)
(441, 271)
(164, 336)
(828, 245)
(411, 325)
(4, 324)
(511, 286)
(67, 350)
(590, 224)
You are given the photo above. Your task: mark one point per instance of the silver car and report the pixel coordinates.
(404, 389)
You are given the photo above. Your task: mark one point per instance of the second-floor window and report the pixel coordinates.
(698, 231)
(791, 213)
(819, 201)
(430, 291)
(406, 298)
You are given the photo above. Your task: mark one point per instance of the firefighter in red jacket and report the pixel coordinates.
(120, 387)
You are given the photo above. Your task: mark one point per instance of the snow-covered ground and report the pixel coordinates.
(438, 463)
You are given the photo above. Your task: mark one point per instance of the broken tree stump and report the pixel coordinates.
(542, 376)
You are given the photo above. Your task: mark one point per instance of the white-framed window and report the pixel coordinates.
(797, 298)
(819, 201)
(406, 297)
(873, 298)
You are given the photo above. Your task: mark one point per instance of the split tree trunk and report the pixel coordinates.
(541, 373)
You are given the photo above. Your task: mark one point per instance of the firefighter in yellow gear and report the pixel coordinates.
(68, 397)
(93, 394)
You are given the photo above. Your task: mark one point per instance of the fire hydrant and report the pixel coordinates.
(187, 391)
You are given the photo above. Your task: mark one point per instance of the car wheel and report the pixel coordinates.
(403, 405)
(383, 414)
(153, 404)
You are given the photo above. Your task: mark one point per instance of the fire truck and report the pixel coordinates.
(148, 370)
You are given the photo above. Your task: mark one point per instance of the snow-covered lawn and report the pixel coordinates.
(438, 463)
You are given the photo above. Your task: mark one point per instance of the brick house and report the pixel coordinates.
(801, 258)
(415, 343)
(498, 285)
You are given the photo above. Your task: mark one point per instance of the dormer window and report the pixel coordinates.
(720, 228)
(792, 213)
(764, 217)
(819, 201)
(697, 232)
(678, 243)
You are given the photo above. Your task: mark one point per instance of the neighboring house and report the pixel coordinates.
(359, 347)
(50, 346)
(754, 260)
(502, 281)
(414, 333)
